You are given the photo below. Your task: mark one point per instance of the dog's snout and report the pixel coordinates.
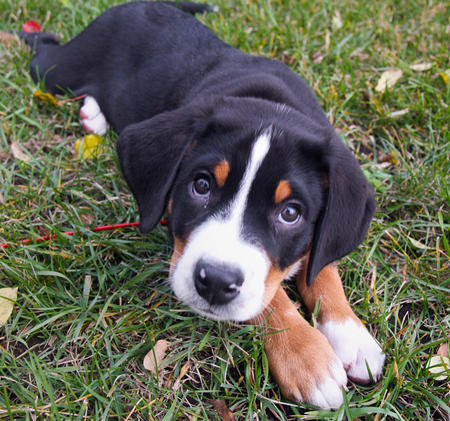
(217, 284)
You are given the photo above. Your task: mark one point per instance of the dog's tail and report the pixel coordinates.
(192, 8)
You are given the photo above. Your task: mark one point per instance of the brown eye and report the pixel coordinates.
(289, 215)
(201, 186)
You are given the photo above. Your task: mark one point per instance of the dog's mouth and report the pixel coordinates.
(211, 313)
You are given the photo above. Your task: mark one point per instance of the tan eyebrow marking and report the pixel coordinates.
(221, 171)
(283, 191)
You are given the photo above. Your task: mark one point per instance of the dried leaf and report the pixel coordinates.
(399, 113)
(91, 146)
(18, 153)
(6, 129)
(8, 297)
(391, 157)
(443, 350)
(183, 372)
(154, 357)
(421, 67)
(388, 79)
(222, 410)
(336, 21)
(417, 244)
(439, 365)
(6, 38)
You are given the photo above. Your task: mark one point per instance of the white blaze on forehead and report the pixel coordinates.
(257, 155)
(219, 241)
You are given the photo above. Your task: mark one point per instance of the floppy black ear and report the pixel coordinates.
(150, 153)
(346, 214)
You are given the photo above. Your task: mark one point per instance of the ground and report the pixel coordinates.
(90, 307)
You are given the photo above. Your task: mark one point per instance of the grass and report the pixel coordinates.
(90, 307)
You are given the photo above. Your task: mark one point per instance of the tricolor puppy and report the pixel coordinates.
(257, 185)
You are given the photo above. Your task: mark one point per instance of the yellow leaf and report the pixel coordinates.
(8, 297)
(91, 146)
(439, 365)
(445, 76)
(45, 97)
(19, 153)
(154, 357)
(421, 67)
(388, 79)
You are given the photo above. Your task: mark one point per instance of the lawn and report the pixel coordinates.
(91, 306)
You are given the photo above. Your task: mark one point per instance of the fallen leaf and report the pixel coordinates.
(154, 357)
(388, 79)
(417, 244)
(31, 26)
(87, 218)
(222, 410)
(439, 365)
(8, 297)
(6, 38)
(18, 153)
(445, 76)
(91, 146)
(336, 21)
(87, 287)
(399, 113)
(421, 67)
(443, 350)
(6, 129)
(391, 157)
(45, 97)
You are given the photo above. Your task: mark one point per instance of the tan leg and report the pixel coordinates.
(327, 287)
(300, 358)
(349, 338)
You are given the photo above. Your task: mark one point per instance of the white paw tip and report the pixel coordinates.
(356, 348)
(92, 119)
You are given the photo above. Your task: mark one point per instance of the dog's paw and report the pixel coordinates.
(306, 368)
(356, 348)
(91, 117)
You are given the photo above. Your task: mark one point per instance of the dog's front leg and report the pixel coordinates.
(300, 357)
(349, 338)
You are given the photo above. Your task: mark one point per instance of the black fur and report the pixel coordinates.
(177, 95)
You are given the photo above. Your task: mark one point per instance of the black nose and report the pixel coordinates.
(217, 284)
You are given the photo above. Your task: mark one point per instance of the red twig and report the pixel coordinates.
(96, 229)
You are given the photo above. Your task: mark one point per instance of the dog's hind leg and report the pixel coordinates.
(347, 335)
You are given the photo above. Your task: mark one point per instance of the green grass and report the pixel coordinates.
(90, 307)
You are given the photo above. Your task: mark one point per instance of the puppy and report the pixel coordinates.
(257, 185)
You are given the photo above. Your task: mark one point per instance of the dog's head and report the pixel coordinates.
(250, 189)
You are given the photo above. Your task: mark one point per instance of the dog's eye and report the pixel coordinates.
(289, 215)
(201, 185)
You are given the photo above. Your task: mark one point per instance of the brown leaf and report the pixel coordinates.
(6, 38)
(18, 152)
(443, 350)
(87, 218)
(154, 357)
(222, 410)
